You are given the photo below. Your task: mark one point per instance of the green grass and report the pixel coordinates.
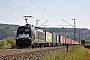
(74, 53)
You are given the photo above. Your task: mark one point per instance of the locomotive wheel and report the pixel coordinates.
(40, 45)
(32, 46)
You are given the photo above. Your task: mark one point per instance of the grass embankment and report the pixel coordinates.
(74, 53)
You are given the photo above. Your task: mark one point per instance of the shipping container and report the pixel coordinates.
(73, 42)
(77, 42)
(54, 38)
(68, 41)
(48, 37)
(62, 40)
(57, 39)
(82, 41)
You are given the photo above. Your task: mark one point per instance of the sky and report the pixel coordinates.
(55, 11)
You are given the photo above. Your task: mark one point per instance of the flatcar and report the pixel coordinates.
(28, 35)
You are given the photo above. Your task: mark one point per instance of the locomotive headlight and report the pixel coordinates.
(17, 38)
(29, 38)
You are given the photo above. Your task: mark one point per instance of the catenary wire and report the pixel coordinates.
(18, 7)
(43, 11)
(52, 14)
(47, 10)
(12, 8)
(23, 13)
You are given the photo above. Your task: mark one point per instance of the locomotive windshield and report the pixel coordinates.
(27, 30)
(24, 32)
(20, 31)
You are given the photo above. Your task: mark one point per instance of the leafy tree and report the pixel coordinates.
(8, 43)
(4, 44)
(12, 41)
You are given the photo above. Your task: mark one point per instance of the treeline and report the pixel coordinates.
(7, 30)
(8, 43)
(81, 33)
(4, 33)
(9, 26)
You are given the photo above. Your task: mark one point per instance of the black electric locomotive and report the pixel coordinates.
(29, 35)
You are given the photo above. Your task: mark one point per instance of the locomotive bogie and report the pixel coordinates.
(23, 43)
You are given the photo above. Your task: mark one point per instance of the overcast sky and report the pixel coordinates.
(12, 11)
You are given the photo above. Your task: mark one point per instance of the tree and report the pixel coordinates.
(8, 43)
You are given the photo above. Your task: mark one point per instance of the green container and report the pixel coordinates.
(48, 37)
(54, 38)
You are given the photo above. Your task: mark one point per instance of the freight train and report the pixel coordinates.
(30, 35)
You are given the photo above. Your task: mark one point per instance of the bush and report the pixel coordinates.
(8, 43)
(75, 53)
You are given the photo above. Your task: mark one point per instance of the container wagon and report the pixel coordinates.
(54, 41)
(48, 38)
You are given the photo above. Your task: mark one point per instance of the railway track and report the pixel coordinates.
(10, 52)
(29, 53)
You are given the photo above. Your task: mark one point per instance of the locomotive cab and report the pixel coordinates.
(29, 35)
(24, 36)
